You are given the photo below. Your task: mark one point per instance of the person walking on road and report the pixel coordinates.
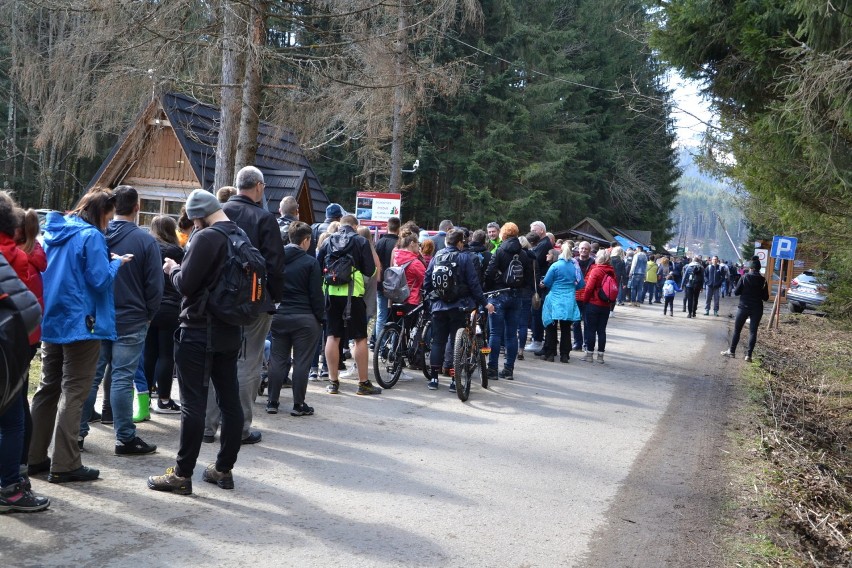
(714, 278)
(753, 291)
(693, 282)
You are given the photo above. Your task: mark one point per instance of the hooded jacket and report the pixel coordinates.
(78, 282)
(467, 276)
(499, 263)
(171, 297)
(594, 279)
(302, 285)
(415, 273)
(139, 287)
(28, 267)
(560, 303)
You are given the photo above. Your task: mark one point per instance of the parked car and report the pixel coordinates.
(808, 290)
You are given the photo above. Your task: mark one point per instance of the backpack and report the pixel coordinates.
(339, 263)
(446, 281)
(284, 226)
(693, 278)
(239, 294)
(513, 277)
(608, 291)
(395, 285)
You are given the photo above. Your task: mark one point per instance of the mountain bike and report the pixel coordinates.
(406, 337)
(470, 350)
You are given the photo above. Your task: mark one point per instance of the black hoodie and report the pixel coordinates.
(302, 285)
(139, 283)
(500, 262)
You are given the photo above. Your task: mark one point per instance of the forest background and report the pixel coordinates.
(551, 110)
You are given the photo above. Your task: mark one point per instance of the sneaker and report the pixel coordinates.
(493, 375)
(747, 359)
(452, 386)
(314, 374)
(82, 473)
(253, 438)
(106, 415)
(368, 388)
(350, 373)
(95, 417)
(716, 313)
(706, 312)
(433, 385)
(534, 346)
(600, 357)
(208, 438)
(167, 407)
(18, 498)
(37, 468)
(324, 374)
(302, 410)
(728, 353)
(577, 348)
(172, 482)
(520, 356)
(134, 447)
(272, 407)
(506, 373)
(333, 387)
(223, 479)
(589, 357)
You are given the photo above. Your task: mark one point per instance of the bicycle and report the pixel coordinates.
(470, 349)
(404, 337)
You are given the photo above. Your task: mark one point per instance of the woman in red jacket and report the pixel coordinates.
(597, 310)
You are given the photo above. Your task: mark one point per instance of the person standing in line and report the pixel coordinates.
(206, 351)
(597, 309)
(559, 307)
(384, 248)
(159, 357)
(693, 282)
(714, 278)
(79, 312)
(493, 232)
(261, 227)
(289, 211)
(440, 237)
(753, 291)
(585, 260)
(618, 264)
(138, 291)
(650, 280)
(297, 323)
(540, 252)
(638, 273)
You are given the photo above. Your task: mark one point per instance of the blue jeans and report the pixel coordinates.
(596, 320)
(637, 286)
(650, 287)
(504, 327)
(524, 320)
(123, 356)
(577, 326)
(381, 312)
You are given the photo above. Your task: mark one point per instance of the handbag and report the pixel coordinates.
(536, 299)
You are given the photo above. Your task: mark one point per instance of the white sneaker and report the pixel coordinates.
(350, 372)
(534, 346)
(727, 353)
(748, 359)
(589, 357)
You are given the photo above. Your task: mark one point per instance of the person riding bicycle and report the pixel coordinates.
(453, 288)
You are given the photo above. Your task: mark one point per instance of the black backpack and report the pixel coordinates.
(446, 277)
(20, 313)
(694, 277)
(284, 226)
(238, 296)
(339, 263)
(513, 276)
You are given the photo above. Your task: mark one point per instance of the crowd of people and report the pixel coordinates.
(129, 310)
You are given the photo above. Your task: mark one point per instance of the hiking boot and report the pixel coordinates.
(368, 388)
(333, 387)
(600, 357)
(166, 407)
(223, 479)
(550, 357)
(272, 407)
(506, 373)
(142, 404)
(95, 417)
(716, 313)
(588, 357)
(747, 359)
(253, 438)
(565, 358)
(302, 410)
(433, 385)
(82, 473)
(17, 498)
(134, 447)
(37, 468)
(106, 415)
(706, 312)
(264, 382)
(728, 353)
(452, 386)
(171, 481)
(493, 375)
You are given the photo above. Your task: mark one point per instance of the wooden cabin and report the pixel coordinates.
(592, 231)
(171, 150)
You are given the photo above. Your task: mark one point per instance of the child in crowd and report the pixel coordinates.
(670, 288)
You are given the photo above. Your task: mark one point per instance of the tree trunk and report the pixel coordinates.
(9, 143)
(233, 62)
(252, 86)
(398, 130)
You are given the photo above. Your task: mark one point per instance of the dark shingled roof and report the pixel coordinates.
(279, 155)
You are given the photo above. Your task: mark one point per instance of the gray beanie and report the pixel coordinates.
(201, 203)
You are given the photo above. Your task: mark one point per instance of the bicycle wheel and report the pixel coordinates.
(478, 344)
(426, 338)
(461, 364)
(387, 357)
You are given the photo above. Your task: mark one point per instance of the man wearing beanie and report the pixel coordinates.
(206, 351)
(260, 225)
(334, 212)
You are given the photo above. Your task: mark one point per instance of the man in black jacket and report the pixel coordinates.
(297, 323)
(384, 248)
(289, 211)
(507, 305)
(540, 252)
(206, 350)
(260, 225)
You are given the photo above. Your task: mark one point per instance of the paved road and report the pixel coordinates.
(523, 474)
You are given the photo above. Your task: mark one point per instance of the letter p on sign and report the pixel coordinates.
(784, 247)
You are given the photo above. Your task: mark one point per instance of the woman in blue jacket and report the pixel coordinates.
(78, 313)
(560, 304)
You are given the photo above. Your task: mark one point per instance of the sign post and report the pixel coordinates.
(374, 209)
(784, 249)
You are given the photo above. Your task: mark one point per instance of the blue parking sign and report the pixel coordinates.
(784, 247)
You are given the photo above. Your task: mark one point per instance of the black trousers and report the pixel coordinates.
(692, 295)
(564, 338)
(296, 334)
(195, 366)
(444, 325)
(739, 322)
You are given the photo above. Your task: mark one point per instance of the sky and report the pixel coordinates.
(688, 98)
